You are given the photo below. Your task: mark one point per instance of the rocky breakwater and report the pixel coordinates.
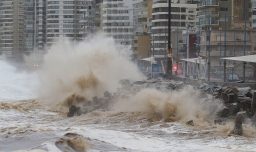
(239, 104)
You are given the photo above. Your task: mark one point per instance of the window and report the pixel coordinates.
(224, 9)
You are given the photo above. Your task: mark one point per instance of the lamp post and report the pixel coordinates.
(177, 52)
(244, 47)
(169, 49)
(225, 48)
(208, 48)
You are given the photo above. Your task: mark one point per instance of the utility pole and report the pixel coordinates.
(152, 55)
(208, 48)
(169, 49)
(177, 52)
(225, 48)
(187, 54)
(244, 48)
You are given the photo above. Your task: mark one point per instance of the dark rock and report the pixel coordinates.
(224, 112)
(244, 92)
(254, 120)
(107, 94)
(245, 103)
(218, 121)
(232, 97)
(229, 98)
(74, 99)
(238, 125)
(171, 86)
(228, 90)
(224, 98)
(253, 103)
(88, 103)
(234, 108)
(229, 95)
(230, 110)
(249, 94)
(74, 111)
(95, 100)
(190, 123)
(72, 142)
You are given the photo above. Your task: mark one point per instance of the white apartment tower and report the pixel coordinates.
(40, 24)
(74, 19)
(254, 14)
(183, 16)
(117, 20)
(142, 16)
(21, 26)
(12, 30)
(29, 25)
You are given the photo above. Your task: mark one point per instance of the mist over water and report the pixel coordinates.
(88, 68)
(180, 105)
(16, 84)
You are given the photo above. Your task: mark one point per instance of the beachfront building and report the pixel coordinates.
(12, 29)
(183, 16)
(73, 19)
(225, 32)
(117, 20)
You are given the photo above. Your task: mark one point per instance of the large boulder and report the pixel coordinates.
(72, 142)
(245, 103)
(253, 103)
(229, 110)
(229, 95)
(74, 111)
(254, 120)
(238, 125)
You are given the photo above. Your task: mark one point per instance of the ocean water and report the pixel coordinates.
(29, 123)
(38, 130)
(14, 85)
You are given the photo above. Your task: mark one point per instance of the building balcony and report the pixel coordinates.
(208, 3)
(208, 13)
(228, 43)
(208, 20)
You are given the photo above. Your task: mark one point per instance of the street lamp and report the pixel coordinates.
(245, 16)
(169, 50)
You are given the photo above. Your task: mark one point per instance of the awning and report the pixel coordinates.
(247, 58)
(195, 60)
(150, 59)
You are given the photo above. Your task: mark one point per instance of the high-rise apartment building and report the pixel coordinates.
(19, 26)
(225, 32)
(12, 30)
(219, 13)
(74, 19)
(142, 16)
(29, 24)
(254, 14)
(183, 16)
(40, 24)
(117, 20)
